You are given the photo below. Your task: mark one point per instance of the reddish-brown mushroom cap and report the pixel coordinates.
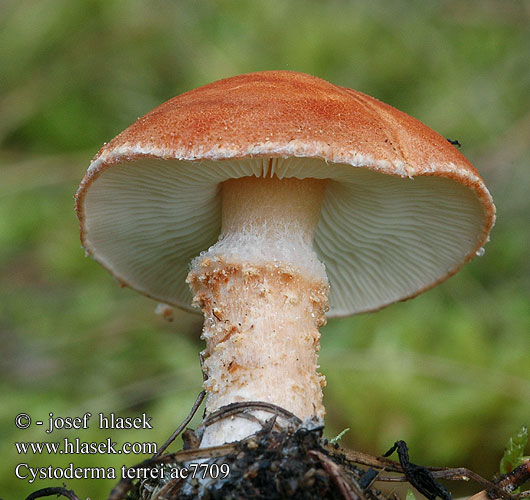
(403, 210)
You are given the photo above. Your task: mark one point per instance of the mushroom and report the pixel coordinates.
(272, 194)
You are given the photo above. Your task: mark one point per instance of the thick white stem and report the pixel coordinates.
(264, 295)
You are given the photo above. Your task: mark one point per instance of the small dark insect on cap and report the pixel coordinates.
(455, 142)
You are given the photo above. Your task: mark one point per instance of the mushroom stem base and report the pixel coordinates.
(262, 339)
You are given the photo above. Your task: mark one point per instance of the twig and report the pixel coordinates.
(463, 473)
(181, 427)
(212, 452)
(361, 458)
(46, 492)
(516, 477)
(235, 408)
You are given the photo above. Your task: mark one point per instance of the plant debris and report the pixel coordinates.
(290, 460)
(290, 463)
(418, 476)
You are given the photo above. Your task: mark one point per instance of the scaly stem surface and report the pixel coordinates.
(263, 293)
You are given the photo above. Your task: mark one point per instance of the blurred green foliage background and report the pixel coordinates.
(448, 372)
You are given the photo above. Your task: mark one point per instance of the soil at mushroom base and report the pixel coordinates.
(271, 464)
